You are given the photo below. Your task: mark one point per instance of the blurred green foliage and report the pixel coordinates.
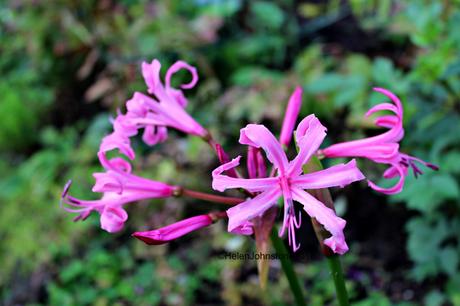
(66, 66)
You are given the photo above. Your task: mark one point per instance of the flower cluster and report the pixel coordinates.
(163, 107)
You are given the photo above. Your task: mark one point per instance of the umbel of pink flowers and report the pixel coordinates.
(163, 107)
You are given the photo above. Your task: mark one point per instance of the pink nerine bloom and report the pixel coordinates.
(119, 187)
(174, 231)
(290, 117)
(289, 183)
(163, 108)
(383, 148)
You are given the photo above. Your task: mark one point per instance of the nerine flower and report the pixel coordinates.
(173, 231)
(164, 107)
(119, 187)
(383, 148)
(288, 183)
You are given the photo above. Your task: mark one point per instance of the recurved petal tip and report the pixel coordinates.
(65, 191)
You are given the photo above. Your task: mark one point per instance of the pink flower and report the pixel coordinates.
(174, 231)
(163, 108)
(383, 148)
(290, 117)
(166, 108)
(289, 183)
(119, 187)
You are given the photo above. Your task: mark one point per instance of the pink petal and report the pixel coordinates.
(113, 219)
(246, 229)
(154, 134)
(259, 136)
(327, 217)
(151, 74)
(122, 182)
(174, 231)
(310, 134)
(397, 187)
(389, 121)
(255, 163)
(382, 152)
(178, 66)
(381, 107)
(222, 182)
(117, 141)
(290, 117)
(252, 162)
(224, 158)
(335, 176)
(391, 172)
(393, 98)
(244, 212)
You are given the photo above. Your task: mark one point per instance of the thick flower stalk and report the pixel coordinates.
(383, 148)
(288, 183)
(119, 187)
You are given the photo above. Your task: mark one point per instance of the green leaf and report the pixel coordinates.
(449, 260)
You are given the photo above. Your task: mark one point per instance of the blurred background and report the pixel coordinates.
(66, 66)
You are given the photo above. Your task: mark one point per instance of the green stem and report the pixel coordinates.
(288, 268)
(339, 281)
(333, 260)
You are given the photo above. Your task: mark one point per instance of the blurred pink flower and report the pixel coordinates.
(289, 182)
(175, 230)
(383, 148)
(119, 187)
(290, 117)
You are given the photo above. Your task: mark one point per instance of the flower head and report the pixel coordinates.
(119, 187)
(383, 148)
(154, 113)
(288, 183)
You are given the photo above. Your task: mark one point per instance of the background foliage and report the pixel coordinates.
(68, 65)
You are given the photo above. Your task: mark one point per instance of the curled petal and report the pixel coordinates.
(398, 186)
(178, 66)
(113, 219)
(327, 217)
(259, 136)
(310, 134)
(246, 211)
(381, 107)
(388, 121)
(335, 176)
(173, 231)
(221, 182)
(393, 98)
(120, 164)
(290, 117)
(119, 141)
